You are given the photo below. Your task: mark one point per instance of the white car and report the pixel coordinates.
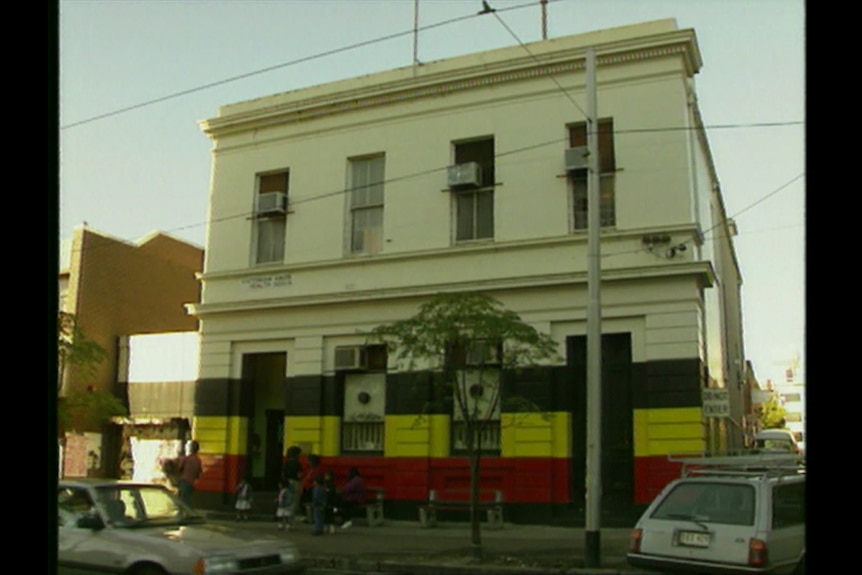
(726, 515)
(776, 440)
(108, 526)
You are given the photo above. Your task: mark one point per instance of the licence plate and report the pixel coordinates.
(693, 538)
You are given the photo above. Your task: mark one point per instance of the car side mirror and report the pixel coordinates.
(91, 521)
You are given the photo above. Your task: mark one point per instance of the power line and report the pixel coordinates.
(249, 214)
(724, 220)
(496, 156)
(277, 67)
(524, 46)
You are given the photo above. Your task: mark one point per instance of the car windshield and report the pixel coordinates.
(138, 505)
(775, 444)
(704, 502)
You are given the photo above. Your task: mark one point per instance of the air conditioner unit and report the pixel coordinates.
(469, 174)
(483, 352)
(351, 357)
(577, 158)
(271, 203)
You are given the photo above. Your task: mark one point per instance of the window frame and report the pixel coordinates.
(492, 425)
(369, 206)
(269, 231)
(481, 198)
(577, 182)
(377, 360)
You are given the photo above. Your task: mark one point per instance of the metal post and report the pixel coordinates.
(592, 556)
(415, 34)
(544, 19)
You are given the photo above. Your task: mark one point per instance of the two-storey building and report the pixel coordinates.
(339, 207)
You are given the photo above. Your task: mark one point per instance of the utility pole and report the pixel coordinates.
(592, 555)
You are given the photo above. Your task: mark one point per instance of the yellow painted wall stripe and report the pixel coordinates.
(669, 430)
(547, 434)
(221, 435)
(418, 435)
(314, 433)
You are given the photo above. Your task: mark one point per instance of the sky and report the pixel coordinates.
(136, 77)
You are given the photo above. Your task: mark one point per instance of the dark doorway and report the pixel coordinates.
(274, 447)
(262, 402)
(617, 426)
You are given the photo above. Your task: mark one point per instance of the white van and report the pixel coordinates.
(731, 515)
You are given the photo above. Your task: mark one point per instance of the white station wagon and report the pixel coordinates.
(107, 526)
(730, 515)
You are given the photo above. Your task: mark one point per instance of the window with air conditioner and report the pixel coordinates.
(366, 204)
(270, 217)
(607, 174)
(479, 392)
(473, 190)
(363, 420)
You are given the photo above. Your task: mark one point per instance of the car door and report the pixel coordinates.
(786, 539)
(81, 549)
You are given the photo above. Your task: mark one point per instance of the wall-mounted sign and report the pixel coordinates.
(261, 282)
(716, 402)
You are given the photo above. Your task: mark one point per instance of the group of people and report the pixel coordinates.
(304, 484)
(307, 485)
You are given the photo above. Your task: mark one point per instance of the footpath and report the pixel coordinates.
(405, 548)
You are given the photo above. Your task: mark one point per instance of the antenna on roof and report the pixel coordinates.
(544, 4)
(416, 61)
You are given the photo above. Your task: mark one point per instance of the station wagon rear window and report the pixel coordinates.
(723, 503)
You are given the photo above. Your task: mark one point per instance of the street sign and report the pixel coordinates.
(716, 402)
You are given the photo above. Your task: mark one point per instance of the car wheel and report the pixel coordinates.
(800, 567)
(147, 570)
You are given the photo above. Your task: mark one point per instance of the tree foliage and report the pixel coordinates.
(470, 338)
(74, 349)
(84, 409)
(772, 414)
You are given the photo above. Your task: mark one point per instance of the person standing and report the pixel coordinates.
(287, 497)
(331, 501)
(244, 499)
(291, 477)
(190, 469)
(353, 496)
(311, 475)
(318, 505)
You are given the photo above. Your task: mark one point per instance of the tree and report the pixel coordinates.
(772, 414)
(471, 339)
(74, 349)
(87, 408)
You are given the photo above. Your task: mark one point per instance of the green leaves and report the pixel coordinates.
(451, 322)
(87, 409)
(74, 349)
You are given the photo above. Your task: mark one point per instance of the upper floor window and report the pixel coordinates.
(607, 171)
(270, 217)
(366, 204)
(473, 189)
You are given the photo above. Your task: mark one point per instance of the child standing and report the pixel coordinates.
(318, 505)
(244, 498)
(331, 501)
(286, 498)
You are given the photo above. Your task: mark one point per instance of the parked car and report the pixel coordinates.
(728, 515)
(776, 440)
(108, 526)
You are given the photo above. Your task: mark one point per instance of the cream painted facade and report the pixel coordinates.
(676, 304)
